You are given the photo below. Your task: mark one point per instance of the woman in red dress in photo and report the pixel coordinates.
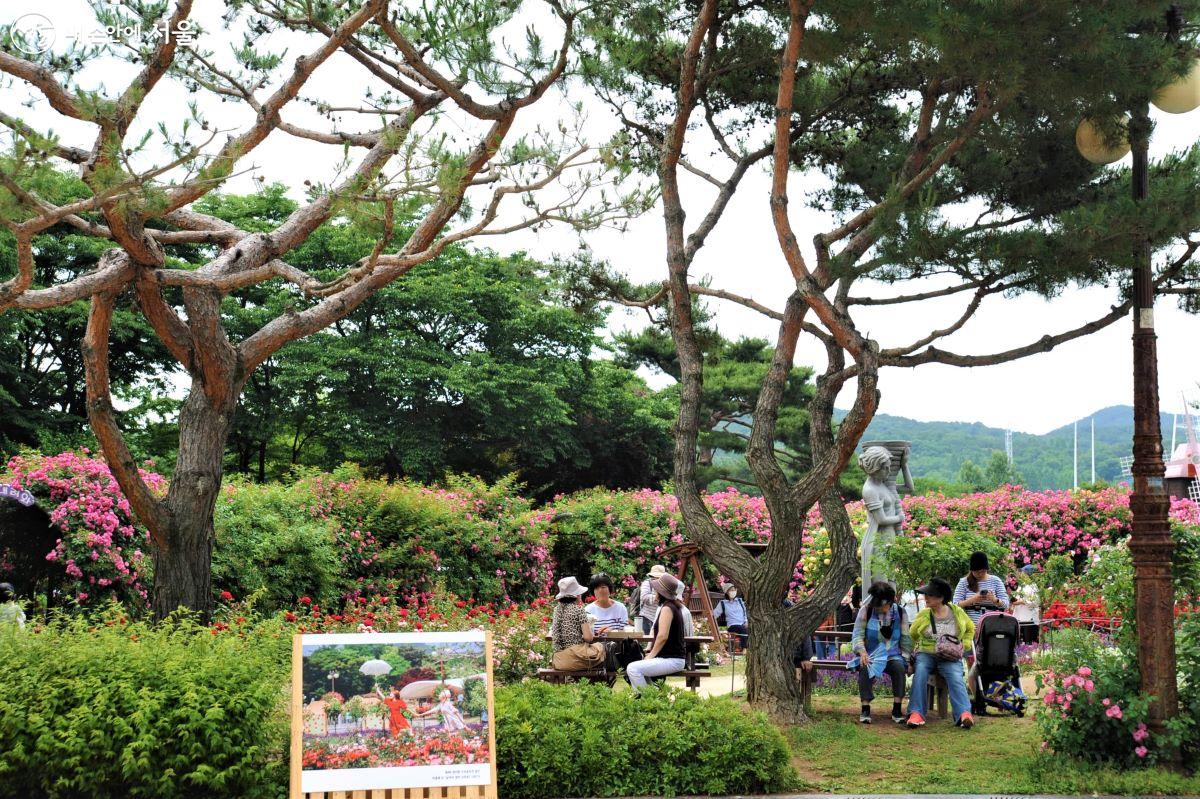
(397, 708)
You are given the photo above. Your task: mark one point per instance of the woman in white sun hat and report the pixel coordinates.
(571, 630)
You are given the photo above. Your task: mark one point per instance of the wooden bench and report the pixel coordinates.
(692, 673)
(558, 677)
(937, 692)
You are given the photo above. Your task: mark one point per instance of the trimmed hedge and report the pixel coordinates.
(586, 740)
(102, 708)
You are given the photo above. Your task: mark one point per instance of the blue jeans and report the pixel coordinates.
(952, 673)
(826, 648)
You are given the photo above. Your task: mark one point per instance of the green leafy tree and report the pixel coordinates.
(943, 135)
(439, 89)
(734, 371)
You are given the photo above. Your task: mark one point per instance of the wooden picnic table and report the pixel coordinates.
(692, 672)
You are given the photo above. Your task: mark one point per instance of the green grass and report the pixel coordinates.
(836, 754)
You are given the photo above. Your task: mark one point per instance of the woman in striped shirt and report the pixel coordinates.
(980, 592)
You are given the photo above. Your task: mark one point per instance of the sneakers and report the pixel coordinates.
(915, 720)
(864, 718)
(898, 718)
(966, 721)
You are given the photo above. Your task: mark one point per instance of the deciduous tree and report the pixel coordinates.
(946, 133)
(438, 150)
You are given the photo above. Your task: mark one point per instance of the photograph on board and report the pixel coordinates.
(394, 711)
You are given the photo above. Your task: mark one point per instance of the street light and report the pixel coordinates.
(332, 677)
(1150, 543)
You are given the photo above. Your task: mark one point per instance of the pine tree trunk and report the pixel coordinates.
(771, 683)
(183, 568)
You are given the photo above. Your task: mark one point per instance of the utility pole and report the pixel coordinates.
(1093, 450)
(1075, 459)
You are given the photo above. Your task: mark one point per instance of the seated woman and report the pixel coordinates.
(666, 653)
(571, 631)
(608, 612)
(882, 645)
(980, 592)
(941, 634)
(731, 612)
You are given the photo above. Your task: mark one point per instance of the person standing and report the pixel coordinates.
(882, 645)
(731, 612)
(398, 712)
(666, 653)
(942, 634)
(648, 604)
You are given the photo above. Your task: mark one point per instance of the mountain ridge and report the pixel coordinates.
(940, 448)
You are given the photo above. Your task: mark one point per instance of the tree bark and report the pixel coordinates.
(771, 683)
(183, 567)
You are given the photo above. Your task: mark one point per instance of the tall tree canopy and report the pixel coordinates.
(947, 133)
(438, 154)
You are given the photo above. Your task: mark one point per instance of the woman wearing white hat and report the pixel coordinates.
(648, 607)
(571, 630)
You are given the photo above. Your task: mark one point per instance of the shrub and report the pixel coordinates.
(101, 550)
(268, 542)
(917, 558)
(104, 708)
(473, 538)
(1093, 710)
(590, 741)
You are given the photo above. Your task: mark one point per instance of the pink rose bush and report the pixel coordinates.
(102, 551)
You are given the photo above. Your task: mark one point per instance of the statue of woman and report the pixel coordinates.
(885, 517)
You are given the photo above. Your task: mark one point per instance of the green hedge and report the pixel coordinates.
(105, 709)
(269, 543)
(586, 740)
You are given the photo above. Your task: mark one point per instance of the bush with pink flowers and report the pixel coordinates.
(102, 551)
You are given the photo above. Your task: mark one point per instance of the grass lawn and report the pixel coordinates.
(836, 754)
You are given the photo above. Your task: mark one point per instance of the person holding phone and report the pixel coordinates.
(980, 592)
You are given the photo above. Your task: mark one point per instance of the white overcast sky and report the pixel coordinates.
(1033, 395)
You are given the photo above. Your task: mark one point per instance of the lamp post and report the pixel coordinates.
(1150, 543)
(332, 676)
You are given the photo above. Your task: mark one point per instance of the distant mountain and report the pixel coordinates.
(940, 448)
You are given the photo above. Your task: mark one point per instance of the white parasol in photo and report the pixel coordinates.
(422, 689)
(375, 668)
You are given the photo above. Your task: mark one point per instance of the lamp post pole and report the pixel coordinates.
(1150, 544)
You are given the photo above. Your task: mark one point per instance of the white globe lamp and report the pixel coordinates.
(1181, 96)
(1094, 147)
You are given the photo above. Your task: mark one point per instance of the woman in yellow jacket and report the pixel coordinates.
(942, 634)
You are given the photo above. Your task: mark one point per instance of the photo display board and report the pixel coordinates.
(393, 715)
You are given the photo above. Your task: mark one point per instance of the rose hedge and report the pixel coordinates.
(340, 536)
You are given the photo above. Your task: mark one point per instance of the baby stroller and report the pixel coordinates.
(997, 677)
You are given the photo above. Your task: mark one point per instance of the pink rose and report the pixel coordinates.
(1141, 751)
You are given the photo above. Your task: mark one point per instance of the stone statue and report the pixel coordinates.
(885, 517)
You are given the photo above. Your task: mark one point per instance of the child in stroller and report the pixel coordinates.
(997, 680)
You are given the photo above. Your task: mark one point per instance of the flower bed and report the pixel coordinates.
(416, 749)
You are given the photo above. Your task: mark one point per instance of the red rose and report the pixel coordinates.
(305, 600)
(289, 616)
(226, 596)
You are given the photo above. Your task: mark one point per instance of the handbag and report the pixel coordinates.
(946, 646)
